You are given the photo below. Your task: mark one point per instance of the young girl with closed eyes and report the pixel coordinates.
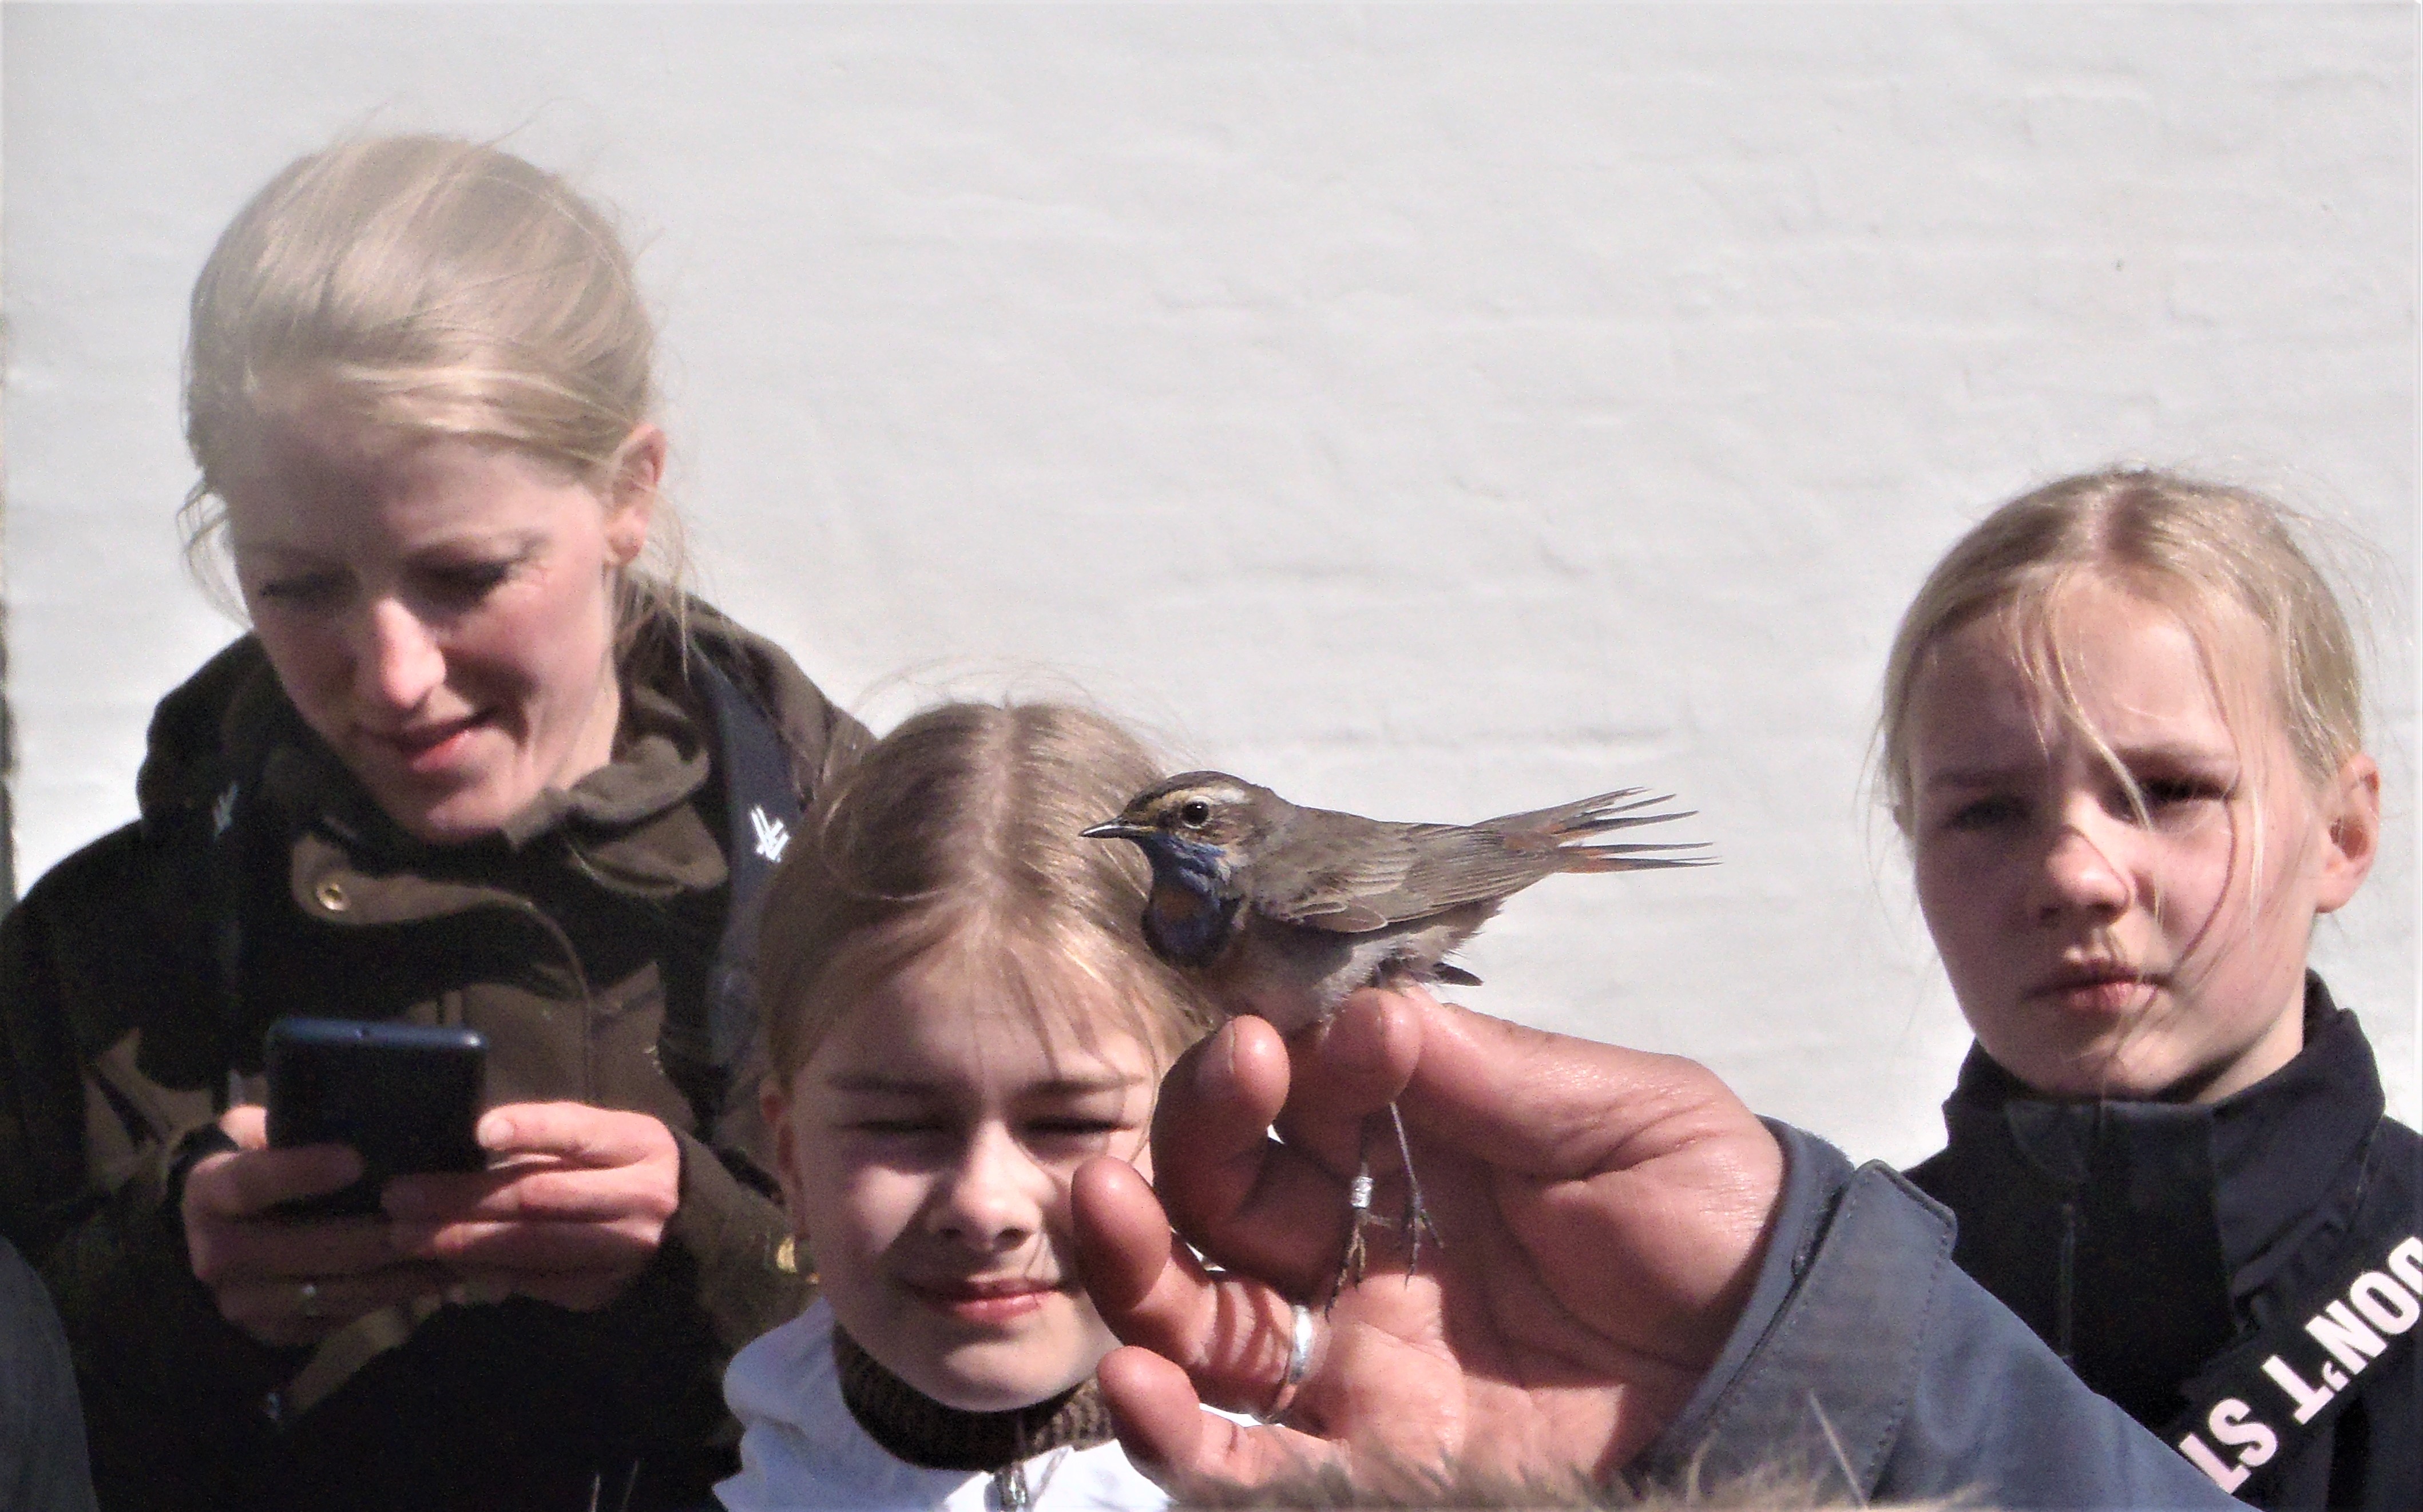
(2123, 737)
(961, 1010)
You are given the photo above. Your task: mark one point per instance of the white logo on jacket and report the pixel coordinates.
(773, 836)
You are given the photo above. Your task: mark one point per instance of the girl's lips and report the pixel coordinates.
(990, 1303)
(2098, 989)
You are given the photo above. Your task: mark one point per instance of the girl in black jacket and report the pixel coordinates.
(2122, 736)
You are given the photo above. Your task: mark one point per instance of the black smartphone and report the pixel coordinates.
(406, 1096)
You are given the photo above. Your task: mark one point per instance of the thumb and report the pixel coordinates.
(1531, 1100)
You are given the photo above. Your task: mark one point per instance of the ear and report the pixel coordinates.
(2351, 816)
(774, 1104)
(635, 476)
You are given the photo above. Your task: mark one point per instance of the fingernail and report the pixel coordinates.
(496, 1131)
(1356, 1048)
(1215, 1072)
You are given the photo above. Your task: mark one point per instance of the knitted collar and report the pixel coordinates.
(914, 1428)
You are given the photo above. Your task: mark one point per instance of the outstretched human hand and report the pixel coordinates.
(1602, 1213)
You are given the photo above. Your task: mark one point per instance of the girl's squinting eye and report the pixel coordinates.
(1986, 814)
(909, 1127)
(301, 591)
(1075, 1126)
(2170, 792)
(468, 582)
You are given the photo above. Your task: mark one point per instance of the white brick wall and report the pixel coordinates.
(1428, 412)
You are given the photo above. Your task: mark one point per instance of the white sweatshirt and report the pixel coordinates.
(800, 1448)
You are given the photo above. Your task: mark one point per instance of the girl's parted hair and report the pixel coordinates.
(2206, 551)
(436, 286)
(959, 830)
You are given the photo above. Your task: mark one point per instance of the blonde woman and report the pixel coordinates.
(474, 764)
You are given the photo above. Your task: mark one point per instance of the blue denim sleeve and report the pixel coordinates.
(42, 1466)
(1867, 1367)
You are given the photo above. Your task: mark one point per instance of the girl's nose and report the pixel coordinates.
(398, 661)
(994, 1198)
(2082, 871)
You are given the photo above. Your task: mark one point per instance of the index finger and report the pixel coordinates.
(573, 1132)
(243, 1184)
(1248, 1201)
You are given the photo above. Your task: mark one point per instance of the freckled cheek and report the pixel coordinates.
(1952, 899)
(863, 1218)
(2199, 883)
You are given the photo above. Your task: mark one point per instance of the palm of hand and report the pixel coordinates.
(1602, 1214)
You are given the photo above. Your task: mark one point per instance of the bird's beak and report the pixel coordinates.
(1114, 829)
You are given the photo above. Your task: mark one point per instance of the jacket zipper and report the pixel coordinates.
(2066, 1284)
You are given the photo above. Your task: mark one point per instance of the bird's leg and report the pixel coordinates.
(1411, 1227)
(1416, 1221)
(1358, 1207)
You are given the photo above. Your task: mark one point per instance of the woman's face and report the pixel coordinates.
(2096, 952)
(441, 610)
(925, 1151)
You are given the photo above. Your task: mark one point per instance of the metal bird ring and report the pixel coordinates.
(310, 1294)
(1299, 1363)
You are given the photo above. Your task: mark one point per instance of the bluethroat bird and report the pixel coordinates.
(1281, 911)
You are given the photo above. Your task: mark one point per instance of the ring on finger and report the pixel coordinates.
(308, 1294)
(1299, 1363)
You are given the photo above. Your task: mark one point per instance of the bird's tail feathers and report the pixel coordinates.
(1643, 857)
(1557, 829)
(1548, 828)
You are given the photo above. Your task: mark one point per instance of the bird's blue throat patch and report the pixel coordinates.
(1193, 908)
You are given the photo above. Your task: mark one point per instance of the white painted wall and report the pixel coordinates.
(1431, 412)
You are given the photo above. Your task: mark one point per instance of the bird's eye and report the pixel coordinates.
(1195, 813)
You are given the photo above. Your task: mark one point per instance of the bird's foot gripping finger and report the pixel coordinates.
(1350, 1266)
(1416, 1219)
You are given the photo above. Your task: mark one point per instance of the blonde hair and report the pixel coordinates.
(958, 831)
(2204, 551)
(434, 286)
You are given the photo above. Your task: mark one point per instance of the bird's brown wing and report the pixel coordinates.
(1455, 864)
(1389, 874)
(1333, 889)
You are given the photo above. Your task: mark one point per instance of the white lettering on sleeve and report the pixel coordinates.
(2352, 1344)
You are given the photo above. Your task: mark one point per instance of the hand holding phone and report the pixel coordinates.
(406, 1097)
(572, 1207)
(282, 1279)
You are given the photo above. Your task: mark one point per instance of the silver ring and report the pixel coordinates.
(310, 1295)
(1299, 1362)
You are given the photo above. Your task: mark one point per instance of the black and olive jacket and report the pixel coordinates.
(138, 977)
(2150, 1244)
